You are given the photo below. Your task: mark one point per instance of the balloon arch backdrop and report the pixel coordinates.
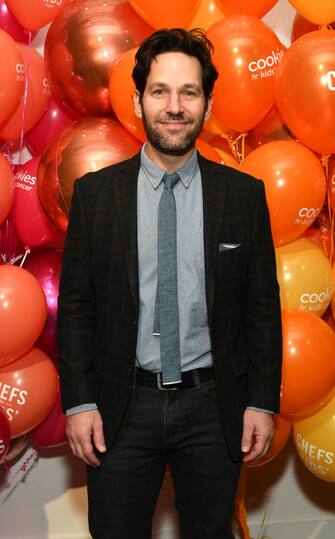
(67, 108)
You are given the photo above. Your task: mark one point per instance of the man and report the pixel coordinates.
(169, 317)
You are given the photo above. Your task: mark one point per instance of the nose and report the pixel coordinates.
(174, 104)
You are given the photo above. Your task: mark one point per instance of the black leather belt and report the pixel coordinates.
(192, 378)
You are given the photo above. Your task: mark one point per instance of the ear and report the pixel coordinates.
(137, 104)
(209, 107)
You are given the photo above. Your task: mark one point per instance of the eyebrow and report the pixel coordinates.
(186, 86)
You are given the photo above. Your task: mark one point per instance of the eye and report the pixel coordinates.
(158, 91)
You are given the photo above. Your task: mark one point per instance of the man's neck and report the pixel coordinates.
(171, 163)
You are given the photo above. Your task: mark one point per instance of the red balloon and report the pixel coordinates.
(4, 434)
(86, 145)
(12, 78)
(308, 374)
(246, 53)
(55, 119)
(35, 99)
(7, 188)
(10, 245)
(23, 312)
(52, 431)
(82, 46)
(257, 8)
(45, 265)
(9, 24)
(305, 90)
(34, 14)
(32, 225)
(28, 391)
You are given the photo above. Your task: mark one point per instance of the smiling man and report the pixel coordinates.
(169, 316)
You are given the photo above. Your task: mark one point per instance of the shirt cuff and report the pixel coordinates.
(256, 409)
(81, 408)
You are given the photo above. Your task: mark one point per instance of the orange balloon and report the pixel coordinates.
(23, 312)
(35, 101)
(269, 129)
(331, 184)
(33, 14)
(28, 391)
(7, 188)
(87, 145)
(282, 430)
(221, 146)
(295, 186)
(257, 8)
(12, 80)
(82, 45)
(314, 439)
(308, 372)
(207, 14)
(302, 26)
(246, 54)
(207, 151)
(321, 12)
(172, 14)
(122, 101)
(305, 90)
(329, 318)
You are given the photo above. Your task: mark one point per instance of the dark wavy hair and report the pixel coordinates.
(193, 43)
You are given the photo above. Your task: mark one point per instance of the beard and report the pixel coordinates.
(166, 144)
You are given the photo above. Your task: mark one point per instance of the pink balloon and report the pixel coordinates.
(52, 431)
(45, 265)
(10, 244)
(9, 24)
(31, 223)
(4, 434)
(55, 119)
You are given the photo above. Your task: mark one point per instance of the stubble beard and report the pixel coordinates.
(165, 144)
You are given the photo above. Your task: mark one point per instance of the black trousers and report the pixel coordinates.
(181, 428)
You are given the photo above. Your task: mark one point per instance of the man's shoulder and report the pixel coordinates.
(235, 177)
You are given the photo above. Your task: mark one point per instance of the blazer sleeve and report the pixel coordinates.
(76, 311)
(263, 314)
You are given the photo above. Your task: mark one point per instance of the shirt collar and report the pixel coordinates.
(155, 173)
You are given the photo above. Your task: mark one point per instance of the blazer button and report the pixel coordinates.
(135, 322)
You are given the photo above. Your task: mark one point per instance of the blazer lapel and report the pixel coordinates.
(125, 192)
(214, 196)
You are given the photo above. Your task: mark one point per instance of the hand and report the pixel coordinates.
(80, 429)
(257, 434)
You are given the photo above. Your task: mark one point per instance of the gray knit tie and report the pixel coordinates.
(166, 318)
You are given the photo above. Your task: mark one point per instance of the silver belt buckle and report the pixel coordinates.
(161, 387)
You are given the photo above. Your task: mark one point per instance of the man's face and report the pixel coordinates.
(173, 106)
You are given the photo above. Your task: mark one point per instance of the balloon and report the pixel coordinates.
(7, 188)
(12, 79)
(305, 277)
(23, 312)
(305, 90)
(33, 14)
(221, 147)
(172, 14)
(302, 26)
(207, 151)
(86, 145)
(314, 439)
(269, 129)
(122, 102)
(28, 390)
(16, 447)
(4, 434)
(10, 245)
(83, 44)
(329, 319)
(331, 184)
(257, 8)
(321, 12)
(34, 101)
(294, 183)
(308, 372)
(9, 24)
(31, 223)
(45, 265)
(52, 431)
(282, 430)
(54, 120)
(246, 53)
(206, 14)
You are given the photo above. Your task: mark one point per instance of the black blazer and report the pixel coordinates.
(99, 296)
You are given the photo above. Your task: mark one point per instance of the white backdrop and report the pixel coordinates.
(51, 502)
